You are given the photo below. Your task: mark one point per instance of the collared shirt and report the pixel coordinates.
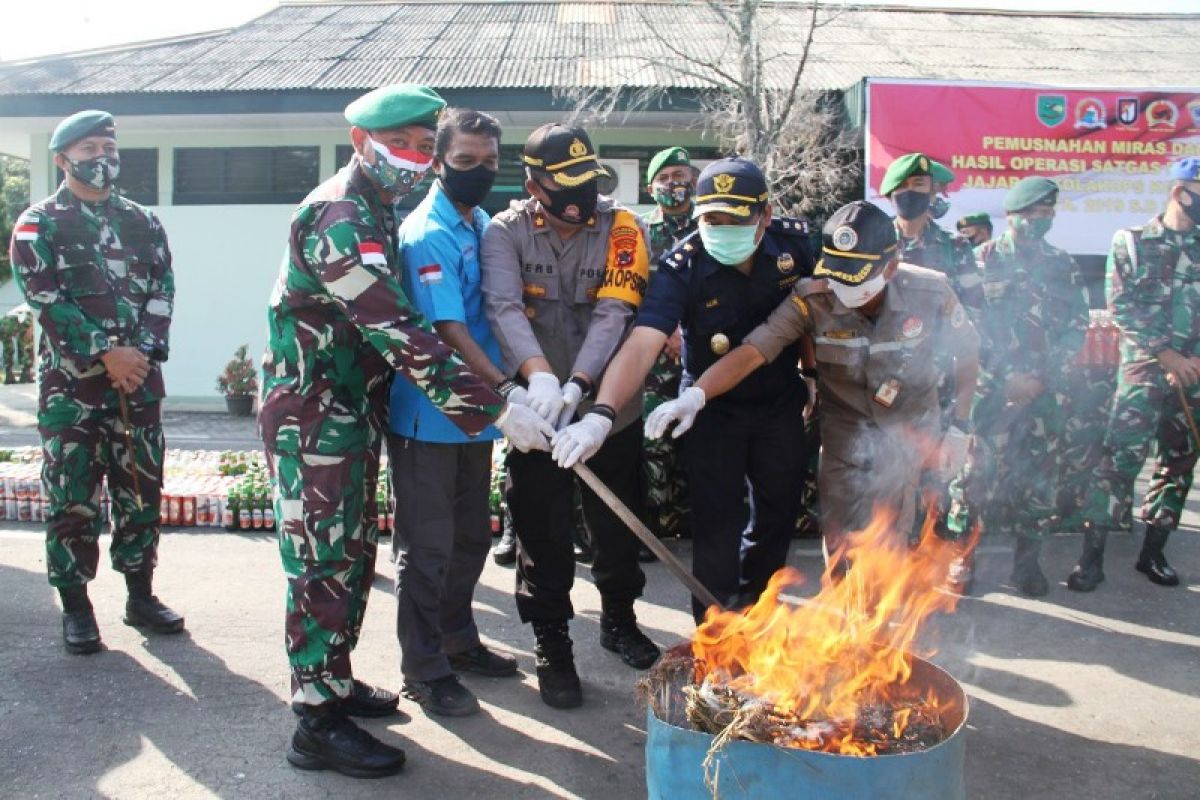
(920, 317)
(439, 253)
(545, 296)
(718, 305)
(948, 253)
(667, 230)
(1153, 275)
(94, 274)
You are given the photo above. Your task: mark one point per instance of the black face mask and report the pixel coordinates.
(1193, 210)
(911, 204)
(467, 187)
(574, 206)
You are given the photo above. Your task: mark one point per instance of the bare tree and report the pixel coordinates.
(750, 79)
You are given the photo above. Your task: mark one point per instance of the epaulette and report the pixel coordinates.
(807, 287)
(679, 258)
(790, 226)
(920, 279)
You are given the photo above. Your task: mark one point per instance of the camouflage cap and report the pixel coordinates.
(395, 106)
(1185, 169)
(667, 158)
(857, 241)
(1034, 191)
(904, 168)
(81, 125)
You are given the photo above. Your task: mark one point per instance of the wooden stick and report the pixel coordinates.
(1187, 414)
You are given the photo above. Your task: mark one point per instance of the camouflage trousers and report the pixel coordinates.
(80, 448)
(328, 537)
(1143, 415)
(1010, 484)
(1090, 394)
(664, 478)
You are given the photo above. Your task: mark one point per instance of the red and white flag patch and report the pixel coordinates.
(430, 273)
(372, 253)
(25, 231)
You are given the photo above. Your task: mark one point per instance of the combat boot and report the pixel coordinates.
(1089, 572)
(1027, 573)
(558, 682)
(325, 738)
(1152, 562)
(620, 634)
(81, 634)
(505, 551)
(144, 611)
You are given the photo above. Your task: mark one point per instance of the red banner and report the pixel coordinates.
(1109, 150)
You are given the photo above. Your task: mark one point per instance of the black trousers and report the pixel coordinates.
(539, 499)
(732, 447)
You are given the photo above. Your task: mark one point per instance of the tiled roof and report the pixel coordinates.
(549, 45)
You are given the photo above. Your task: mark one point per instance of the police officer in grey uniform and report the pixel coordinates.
(563, 274)
(877, 325)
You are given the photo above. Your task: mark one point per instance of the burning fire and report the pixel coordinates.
(832, 663)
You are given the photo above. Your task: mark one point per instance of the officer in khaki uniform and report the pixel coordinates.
(878, 327)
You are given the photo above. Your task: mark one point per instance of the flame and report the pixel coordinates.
(851, 645)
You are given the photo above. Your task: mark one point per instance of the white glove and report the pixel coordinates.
(524, 429)
(545, 396)
(579, 442)
(953, 455)
(572, 395)
(518, 396)
(682, 409)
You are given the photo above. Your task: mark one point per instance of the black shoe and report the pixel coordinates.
(81, 635)
(370, 701)
(581, 542)
(146, 612)
(558, 682)
(325, 738)
(1152, 562)
(505, 551)
(445, 696)
(481, 661)
(1027, 573)
(619, 633)
(645, 555)
(1089, 572)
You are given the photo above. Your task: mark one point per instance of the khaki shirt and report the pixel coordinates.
(541, 294)
(856, 356)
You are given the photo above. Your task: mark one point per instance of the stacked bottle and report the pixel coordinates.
(1102, 345)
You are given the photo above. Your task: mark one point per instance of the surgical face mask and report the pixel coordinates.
(1031, 228)
(99, 173)
(397, 171)
(858, 296)
(1193, 211)
(729, 244)
(939, 207)
(575, 205)
(467, 187)
(674, 195)
(911, 204)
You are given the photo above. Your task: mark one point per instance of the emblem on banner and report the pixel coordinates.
(1051, 109)
(1127, 111)
(1089, 115)
(1194, 113)
(1162, 115)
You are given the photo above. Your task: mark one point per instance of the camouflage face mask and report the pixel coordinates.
(397, 171)
(674, 195)
(99, 173)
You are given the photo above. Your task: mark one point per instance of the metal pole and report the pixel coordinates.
(698, 590)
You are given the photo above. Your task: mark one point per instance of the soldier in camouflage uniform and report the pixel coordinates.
(671, 181)
(340, 327)
(1089, 401)
(96, 270)
(1032, 326)
(1152, 274)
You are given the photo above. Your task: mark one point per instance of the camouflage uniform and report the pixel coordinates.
(339, 327)
(1034, 321)
(1153, 273)
(949, 254)
(665, 478)
(96, 274)
(1089, 400)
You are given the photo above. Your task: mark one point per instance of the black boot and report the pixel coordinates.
(144, 611)
(505, 551)
(81, 635)
(1152, 562)
(325, 738)
(619, 633)
(581, 542)
(1089, 572)
(1027, 573)
(558, 682)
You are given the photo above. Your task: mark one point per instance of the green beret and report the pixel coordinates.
(667, 158)
(941, 173)
(904, 168)
(396, 106)
(1031, 192)
(80, 126)
(978, 218)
